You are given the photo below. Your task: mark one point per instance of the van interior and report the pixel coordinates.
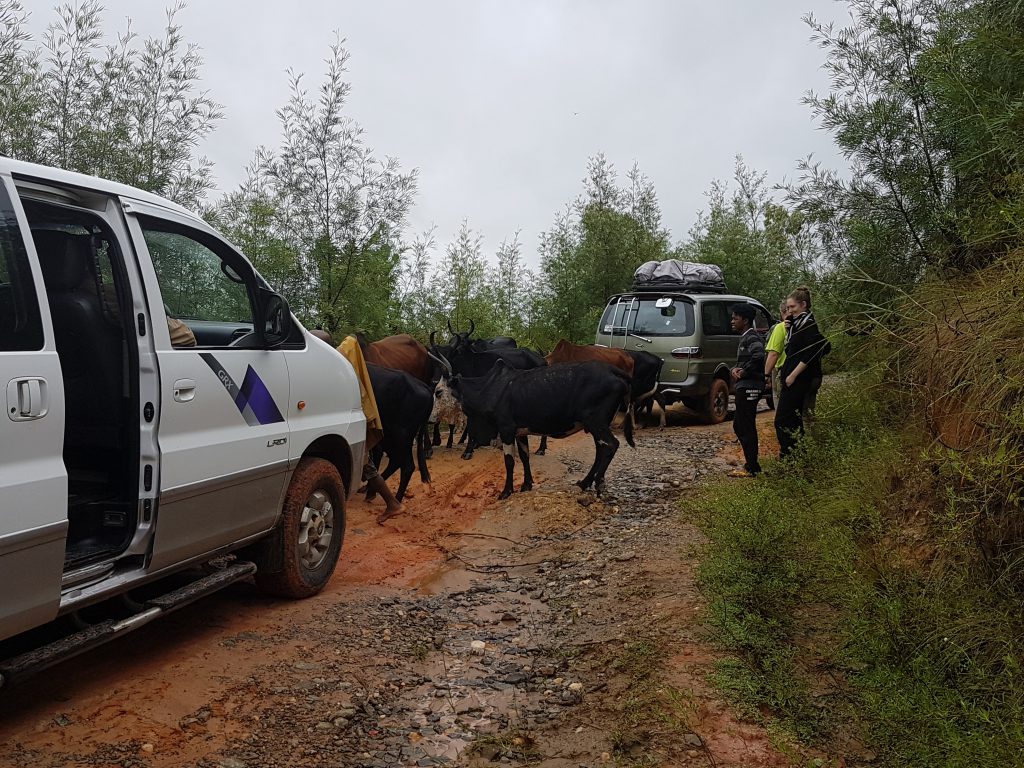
(90, 308)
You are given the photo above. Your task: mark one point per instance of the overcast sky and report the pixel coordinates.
(499, 104)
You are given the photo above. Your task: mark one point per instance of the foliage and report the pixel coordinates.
(866, 591)
(335, 211)
(593, 248)
(130, 111)
(925, 107)
(764, 249)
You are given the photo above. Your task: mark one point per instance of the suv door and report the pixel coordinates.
(223, 430)
(719, 341)
(33, 480)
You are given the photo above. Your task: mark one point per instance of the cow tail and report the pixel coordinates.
(627, 427)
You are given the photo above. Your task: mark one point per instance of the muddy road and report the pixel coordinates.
(552, 629)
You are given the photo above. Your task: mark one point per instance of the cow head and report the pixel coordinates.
(460, 342)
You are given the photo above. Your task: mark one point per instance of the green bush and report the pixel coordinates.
(847, 570)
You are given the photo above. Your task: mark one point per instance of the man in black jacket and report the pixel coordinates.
(748, 376)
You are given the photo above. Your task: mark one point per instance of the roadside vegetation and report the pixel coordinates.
(868, 590)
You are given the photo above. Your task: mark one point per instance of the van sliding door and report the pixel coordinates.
(33, 480)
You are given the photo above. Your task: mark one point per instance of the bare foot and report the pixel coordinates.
(387, 514)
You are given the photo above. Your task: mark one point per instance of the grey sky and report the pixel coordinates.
(499, 104)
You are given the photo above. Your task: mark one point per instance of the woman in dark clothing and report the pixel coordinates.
(805, 346)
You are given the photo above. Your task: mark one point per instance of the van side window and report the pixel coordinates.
(715, 317)
(21, 326)
(202, 294)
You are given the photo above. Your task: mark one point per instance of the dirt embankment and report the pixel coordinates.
(552, 629)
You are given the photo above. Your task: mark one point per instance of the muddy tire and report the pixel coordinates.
(716, 405)
(298, 558)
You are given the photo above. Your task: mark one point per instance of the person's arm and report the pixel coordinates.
(770, 361)
(795, 373)
(752, 368)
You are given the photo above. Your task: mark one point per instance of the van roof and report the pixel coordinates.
(47, 174)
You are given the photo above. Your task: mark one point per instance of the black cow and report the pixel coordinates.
(646, 374)
(471, 364)
(404, 403)
(554, 401)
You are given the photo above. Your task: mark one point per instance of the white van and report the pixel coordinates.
(125, 458)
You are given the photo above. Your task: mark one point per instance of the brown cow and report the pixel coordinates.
(567, 352)
(401, 353)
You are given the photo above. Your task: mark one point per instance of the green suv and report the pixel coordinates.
(692, 333)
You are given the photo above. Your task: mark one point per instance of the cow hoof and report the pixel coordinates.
(467, 456)
(504, 495)
(583, 486)
(539, 452)
(524, 488)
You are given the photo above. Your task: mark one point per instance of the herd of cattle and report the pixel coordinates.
(493, 389)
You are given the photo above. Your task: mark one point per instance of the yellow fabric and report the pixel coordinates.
(374, 428)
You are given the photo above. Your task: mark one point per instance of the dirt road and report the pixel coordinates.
(553, 629)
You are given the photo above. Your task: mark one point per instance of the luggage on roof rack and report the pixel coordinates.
(676, 275)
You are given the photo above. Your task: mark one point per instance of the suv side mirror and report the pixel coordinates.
(274, 321)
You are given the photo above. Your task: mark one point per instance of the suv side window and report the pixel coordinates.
(762, 322)
(21, 325)
(715, 318)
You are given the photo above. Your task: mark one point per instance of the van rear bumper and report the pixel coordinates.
(691, 386)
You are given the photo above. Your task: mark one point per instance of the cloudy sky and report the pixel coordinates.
(499, 104)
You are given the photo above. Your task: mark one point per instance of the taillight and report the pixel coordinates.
(684, 353)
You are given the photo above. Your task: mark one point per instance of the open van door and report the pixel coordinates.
(33, 480)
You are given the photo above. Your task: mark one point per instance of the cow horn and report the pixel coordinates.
(439, 358)
(449, 321)
(472, 326)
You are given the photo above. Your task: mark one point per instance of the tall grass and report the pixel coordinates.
(853, 584)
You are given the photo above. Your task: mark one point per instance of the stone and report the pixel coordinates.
(489, 752)
(232, 762)
(693, 740)
(477, 647)
(147, 747)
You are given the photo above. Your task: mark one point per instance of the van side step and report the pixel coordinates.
(19, 667)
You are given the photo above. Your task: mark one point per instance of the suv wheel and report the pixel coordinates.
(303, 550)
(716, 406)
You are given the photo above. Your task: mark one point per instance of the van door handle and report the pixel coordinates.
(184, 390)
(27, 398)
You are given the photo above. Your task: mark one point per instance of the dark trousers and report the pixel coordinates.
(789, 415)
(744, 424)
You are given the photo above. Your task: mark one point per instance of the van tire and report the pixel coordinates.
(291, 564)
(716, 405)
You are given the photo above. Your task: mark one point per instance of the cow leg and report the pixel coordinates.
(523, 444)
(437, 435)
(465, 434)
(407, 467)
(585, 483)
(422, 453)
(543, 447)
(510, 461)
(611, 444)
(377, 454)
(470, 447)
(451, 435)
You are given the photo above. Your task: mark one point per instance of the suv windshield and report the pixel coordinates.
(644, 317)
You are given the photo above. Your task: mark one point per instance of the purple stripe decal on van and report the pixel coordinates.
(252, 399)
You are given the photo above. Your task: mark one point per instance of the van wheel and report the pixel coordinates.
(716, 406)
(303, 550)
